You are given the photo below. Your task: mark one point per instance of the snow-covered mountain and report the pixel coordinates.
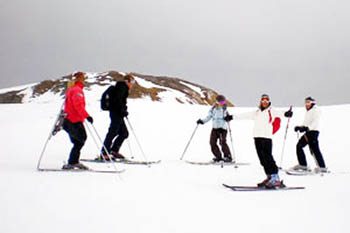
(163, 89)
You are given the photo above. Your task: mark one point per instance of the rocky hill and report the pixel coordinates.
(158, 88)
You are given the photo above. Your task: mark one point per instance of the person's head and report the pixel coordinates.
(265, 101)
(129, 80)
(309, 102)
(221, 100)
(79, 77)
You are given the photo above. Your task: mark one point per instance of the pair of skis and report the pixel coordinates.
(122, 161)
(256, 188)
(79, 170)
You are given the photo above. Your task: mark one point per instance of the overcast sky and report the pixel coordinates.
(242, 48)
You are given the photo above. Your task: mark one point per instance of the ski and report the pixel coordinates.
(256, 188)
(304, 173)
(78, 170)
(124, 161)
(217, 163)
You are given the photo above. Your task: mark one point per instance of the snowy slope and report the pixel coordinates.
(172, 196)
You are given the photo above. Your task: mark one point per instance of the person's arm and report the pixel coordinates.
(209, 117)
(78, 101)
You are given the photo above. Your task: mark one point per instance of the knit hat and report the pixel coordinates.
(312, 100)
(220, 98)
(265, 96)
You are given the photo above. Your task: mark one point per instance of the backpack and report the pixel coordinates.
(276, 123)
(106, 99)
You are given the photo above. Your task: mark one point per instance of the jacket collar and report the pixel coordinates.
(79, 84)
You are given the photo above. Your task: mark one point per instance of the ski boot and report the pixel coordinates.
(228, 159)
(274, 182)
(320, 170)
(76, 166)
(264, 182)
(103, 157)
(80, 166)
(300, 168)
(117, 156)
(217, 160)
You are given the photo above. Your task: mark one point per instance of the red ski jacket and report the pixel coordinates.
(75, 103)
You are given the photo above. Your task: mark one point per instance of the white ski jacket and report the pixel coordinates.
(312, 118)
(262, 121)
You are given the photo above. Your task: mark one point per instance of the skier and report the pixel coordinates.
(218, 114)
(311, 129)
(117, 132)
(73, 123)
(266, 119)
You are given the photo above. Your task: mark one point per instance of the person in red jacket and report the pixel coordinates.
(73, 123)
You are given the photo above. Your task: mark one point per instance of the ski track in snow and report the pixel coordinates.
(172, 196)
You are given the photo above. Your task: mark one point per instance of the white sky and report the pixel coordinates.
(242, 48)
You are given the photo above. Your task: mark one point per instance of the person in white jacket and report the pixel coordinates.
(218, 114)
(264, 118)
(311, 127)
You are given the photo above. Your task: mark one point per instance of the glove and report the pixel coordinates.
(288, 114)
(301, 129)
(228, 118)
(90, 119)
(200, 122)
(125, 114)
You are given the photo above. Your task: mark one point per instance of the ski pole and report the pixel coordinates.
(188, 144)
(285, 139)
(95, 141)
(130, 149)
(137, 140)
(108, 155)
(233, 149)
(51, 134)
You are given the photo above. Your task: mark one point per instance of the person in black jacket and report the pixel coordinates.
(117, 132)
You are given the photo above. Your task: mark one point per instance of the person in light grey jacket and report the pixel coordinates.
(219, 115)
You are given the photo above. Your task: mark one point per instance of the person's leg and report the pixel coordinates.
(259, 146)
(77, 135)
(300, 152)
(223, 143)
(123, 134)
(314, 146)
(271, 167)
(112, 133)
(214, 136)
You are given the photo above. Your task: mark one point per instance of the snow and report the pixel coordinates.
(172, 196)
(196, 89)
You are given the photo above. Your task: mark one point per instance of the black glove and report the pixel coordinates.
(301, 129)
(90, 119)
(228, 118)
(125, 114)
(288, 114)
(200, 122)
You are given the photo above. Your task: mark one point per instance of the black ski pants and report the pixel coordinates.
(310, 138)
(219, 134)
(77, 135)
(264, 149)
(117, 133)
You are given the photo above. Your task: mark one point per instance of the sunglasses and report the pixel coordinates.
(223, 102)
(265, 100)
